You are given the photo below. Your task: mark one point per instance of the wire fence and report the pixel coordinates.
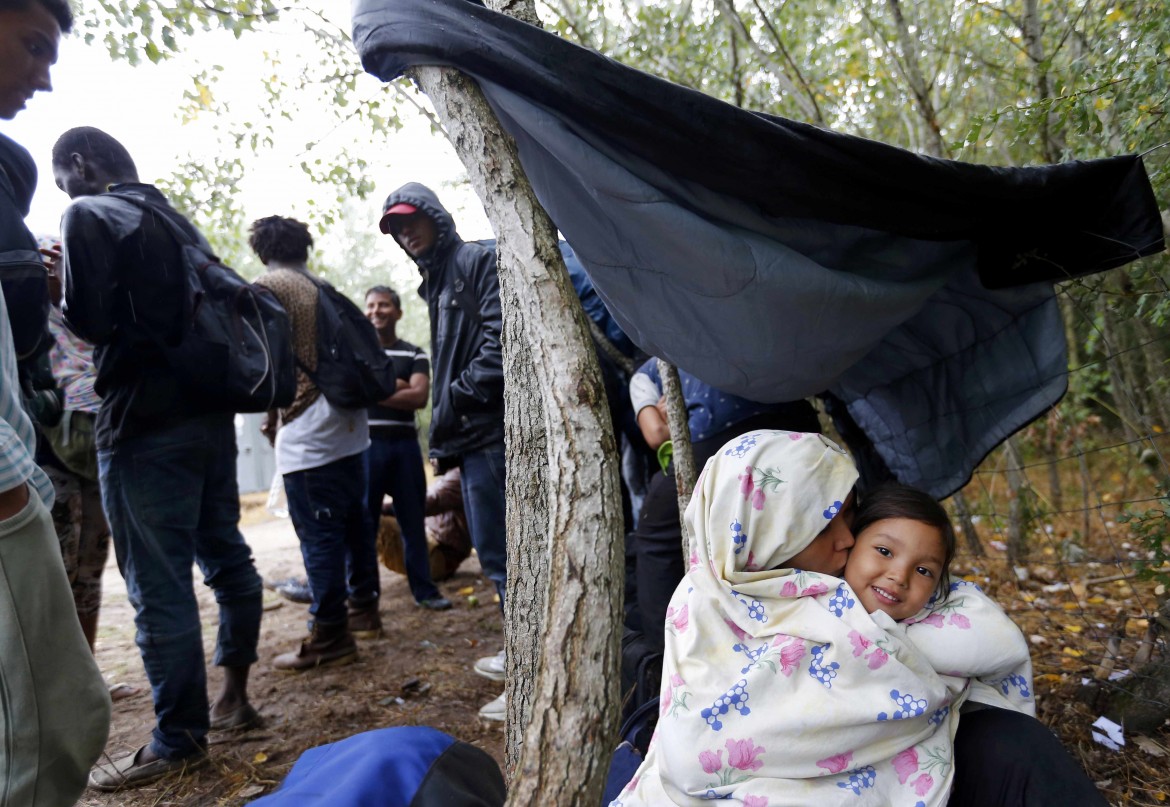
(1067, 523)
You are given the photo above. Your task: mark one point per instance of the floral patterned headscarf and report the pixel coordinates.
(778, 688)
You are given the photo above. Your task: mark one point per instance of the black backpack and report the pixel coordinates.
(353, 371)
(23, 277)
(236, 353)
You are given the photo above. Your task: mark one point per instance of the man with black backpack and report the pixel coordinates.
(320, 442)
(167, 466)
(467, 417)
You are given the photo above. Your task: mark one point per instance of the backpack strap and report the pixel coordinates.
(181, 235)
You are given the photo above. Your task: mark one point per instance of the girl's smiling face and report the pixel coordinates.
(896, 566)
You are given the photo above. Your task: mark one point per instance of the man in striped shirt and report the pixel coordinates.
(395, 461)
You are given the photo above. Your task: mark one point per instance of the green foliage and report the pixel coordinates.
(1151, 529)
(1010, 82)
(257, 110)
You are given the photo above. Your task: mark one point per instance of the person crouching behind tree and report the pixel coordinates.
(320, 452)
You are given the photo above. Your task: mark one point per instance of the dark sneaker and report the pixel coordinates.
(326, 646)
(435, 604)
(366, 623)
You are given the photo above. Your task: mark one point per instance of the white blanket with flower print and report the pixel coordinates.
(778, 688)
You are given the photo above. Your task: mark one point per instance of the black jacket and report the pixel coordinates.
(463, 295)
(22, 274)
(124, 283)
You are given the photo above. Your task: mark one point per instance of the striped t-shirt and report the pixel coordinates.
(408, 359)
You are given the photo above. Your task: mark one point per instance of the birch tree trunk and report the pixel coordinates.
(963, 513)
(1017, 483)
(682, 452)
(526, 445)
(573, 703)
(911, 69)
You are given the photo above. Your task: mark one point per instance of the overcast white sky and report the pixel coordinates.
(138, 105)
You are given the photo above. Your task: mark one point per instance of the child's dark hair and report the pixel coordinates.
(276, 238)
(903, 501)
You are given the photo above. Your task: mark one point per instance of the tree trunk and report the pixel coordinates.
(1051, 447)
(911, 69)
(1017, 536)
(1122, 396)
(963, 512)
(1031, 30)
(680, 438)
(528, 550)
(573, 709)
(1154, 356)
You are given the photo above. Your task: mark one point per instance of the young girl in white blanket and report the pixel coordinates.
(902, 556)
(780, 687)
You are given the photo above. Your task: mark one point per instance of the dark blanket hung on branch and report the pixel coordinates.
(776, 260)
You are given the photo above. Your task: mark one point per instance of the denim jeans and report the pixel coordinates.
(395, 466)
(171, 499)
(329, 511)
(483, 503)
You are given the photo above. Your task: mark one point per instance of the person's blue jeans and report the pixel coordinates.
(395, 467)
(328, 509)
(483, 503)
(171, 499)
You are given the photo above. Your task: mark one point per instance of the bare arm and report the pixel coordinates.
(652, 422)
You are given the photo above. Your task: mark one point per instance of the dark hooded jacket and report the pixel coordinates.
(462, 292)
(22, 274)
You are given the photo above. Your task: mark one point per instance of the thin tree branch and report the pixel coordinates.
(802, 95)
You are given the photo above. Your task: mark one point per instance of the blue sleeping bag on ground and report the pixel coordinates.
(413, 766)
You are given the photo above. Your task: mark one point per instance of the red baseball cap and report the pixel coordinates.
(399, 209)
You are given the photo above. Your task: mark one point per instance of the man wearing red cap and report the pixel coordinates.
(467, 418)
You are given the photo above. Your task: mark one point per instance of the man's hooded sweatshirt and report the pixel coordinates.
(462, 292)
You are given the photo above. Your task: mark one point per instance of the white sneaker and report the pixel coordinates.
(495, 710)
(491, 667)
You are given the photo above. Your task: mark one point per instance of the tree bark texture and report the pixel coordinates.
(1017, 535)
(963, 513)
(1032, 32)
(1122, 396)
(528, 551)
(680, 438)
(574, 701)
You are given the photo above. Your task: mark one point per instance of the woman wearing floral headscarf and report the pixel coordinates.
(770, 697)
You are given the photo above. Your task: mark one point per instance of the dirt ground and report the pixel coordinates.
(419, 673)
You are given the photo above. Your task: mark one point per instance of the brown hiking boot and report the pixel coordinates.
(365, 623)
(326, 646)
